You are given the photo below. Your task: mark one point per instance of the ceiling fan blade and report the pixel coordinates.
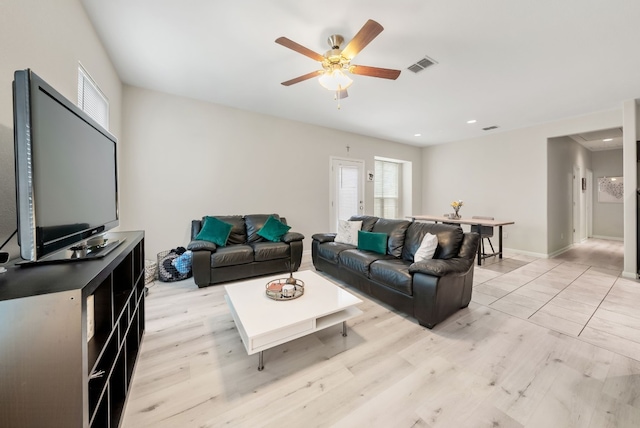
(302, 78)
(287, 43)
(368, 32)
(385, 73)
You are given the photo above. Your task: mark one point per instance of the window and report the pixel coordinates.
(387, 189)
(91, 99)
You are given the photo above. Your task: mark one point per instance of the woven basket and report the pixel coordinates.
(150, 271)
(162, 272)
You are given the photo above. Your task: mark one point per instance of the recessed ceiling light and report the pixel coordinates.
(606, 140)
(417, 135)
(471, 121)
(613, 179)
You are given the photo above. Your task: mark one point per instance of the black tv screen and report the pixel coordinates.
(66, 171)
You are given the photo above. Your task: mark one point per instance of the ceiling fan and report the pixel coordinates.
(336, 61)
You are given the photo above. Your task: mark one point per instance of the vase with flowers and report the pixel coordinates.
(456, 205)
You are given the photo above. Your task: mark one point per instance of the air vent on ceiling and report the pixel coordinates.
(422, 64)
(489, 128)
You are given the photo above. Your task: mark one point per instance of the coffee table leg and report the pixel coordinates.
(344, 329)
(260, 361)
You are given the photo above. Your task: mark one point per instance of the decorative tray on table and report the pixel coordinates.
(285, 288)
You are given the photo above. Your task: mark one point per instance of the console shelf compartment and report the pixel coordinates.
(71, 337)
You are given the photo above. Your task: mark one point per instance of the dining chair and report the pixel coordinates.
(486, 232)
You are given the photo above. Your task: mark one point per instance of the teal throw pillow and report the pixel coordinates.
(214, 230)
(273, 229)
(372, 241)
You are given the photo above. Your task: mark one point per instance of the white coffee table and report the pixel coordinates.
(264, 323)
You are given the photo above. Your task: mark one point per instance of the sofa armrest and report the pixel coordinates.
(290, 237)
(440, 268)
(202, 245)
(201, 267)
(324, 237)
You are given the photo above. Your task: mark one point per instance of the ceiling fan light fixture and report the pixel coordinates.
(335, 80)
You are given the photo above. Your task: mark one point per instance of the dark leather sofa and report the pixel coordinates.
(246, 254)
(429, 290)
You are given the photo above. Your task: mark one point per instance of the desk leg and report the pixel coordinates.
(500, 242)
(479, 246)
(261, 361)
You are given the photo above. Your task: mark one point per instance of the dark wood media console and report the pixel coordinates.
(51, 374)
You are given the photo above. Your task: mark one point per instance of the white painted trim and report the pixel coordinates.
(609, 238)
(524, 253)
(589, 203)
(560, 251)
(576, 205)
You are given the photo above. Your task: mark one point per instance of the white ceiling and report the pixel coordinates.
(505, 63)
(596, 141)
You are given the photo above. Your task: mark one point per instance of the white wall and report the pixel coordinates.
(563, 154)
(503, 175)
(50, 37)
(608, 218)
(185, 159)
(181, 159)
(630, 135)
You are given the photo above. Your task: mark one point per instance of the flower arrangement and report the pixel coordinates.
(456, 205)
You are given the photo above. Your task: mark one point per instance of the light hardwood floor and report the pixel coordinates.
(544, 343)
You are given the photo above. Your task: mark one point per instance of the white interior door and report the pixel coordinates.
(576, 204)
(347, 190)
(589, 195)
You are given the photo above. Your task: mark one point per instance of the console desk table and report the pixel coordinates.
(472, 222)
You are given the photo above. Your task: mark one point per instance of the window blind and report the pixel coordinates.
(386, 189)
(91, 99)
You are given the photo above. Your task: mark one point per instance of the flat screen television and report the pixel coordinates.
(66, 175)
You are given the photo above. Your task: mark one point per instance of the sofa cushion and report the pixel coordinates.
(273, 229)
(367, 221)
(214, 230)
(396, 230)
(255, 222)
(427, 248)
(393, 273)
(270, 251)
(413, 239)
(231, 256)
(370, 241)
(348, 232)
(238, 233)
(359, 261)
(449, 239)
(331, 250)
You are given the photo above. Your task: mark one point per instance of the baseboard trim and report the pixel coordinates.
(560, 251)
(608, 238)
(524, 253)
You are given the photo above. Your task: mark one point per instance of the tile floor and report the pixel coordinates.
(579, 293)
